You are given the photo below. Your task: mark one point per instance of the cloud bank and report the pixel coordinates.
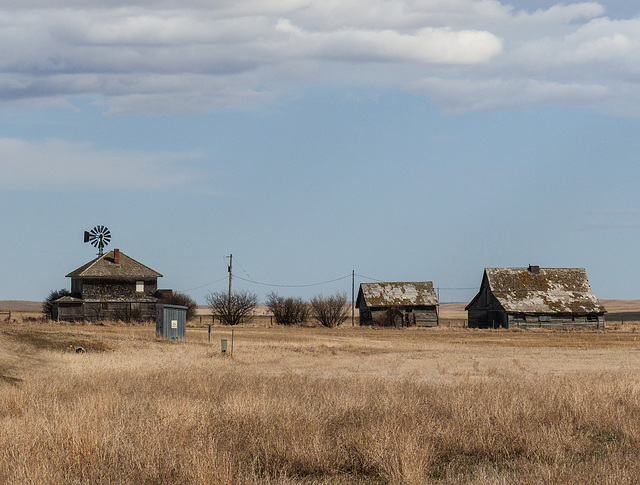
(154, 56)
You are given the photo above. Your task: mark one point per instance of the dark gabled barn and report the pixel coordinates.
(535, 297)
(111, 287)
(399, 304)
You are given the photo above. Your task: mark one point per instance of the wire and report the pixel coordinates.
(206, 284)
(245, 271)
(473, 288)
(367, 278)
(292, 286)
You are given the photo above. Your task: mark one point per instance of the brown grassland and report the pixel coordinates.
(318, 406)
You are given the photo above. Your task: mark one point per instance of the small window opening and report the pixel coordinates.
(139, 286)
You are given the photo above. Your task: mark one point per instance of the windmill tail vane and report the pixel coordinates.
(99, 237)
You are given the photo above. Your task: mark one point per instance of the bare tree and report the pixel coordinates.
(287, 310)
(330, 311)
(231, 310)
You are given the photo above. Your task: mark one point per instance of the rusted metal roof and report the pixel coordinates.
(106, 267)
(551, 290)
(419, 293)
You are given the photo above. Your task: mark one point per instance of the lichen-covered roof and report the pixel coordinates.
(105, 267)
(419, 293)
(552, 290)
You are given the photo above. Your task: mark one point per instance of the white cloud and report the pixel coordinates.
(164, 56)
(57, 165)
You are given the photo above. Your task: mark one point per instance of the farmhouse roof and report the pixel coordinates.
(418, 293)
(105, 266)
(543, 290)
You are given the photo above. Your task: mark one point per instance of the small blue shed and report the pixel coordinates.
(171, 321)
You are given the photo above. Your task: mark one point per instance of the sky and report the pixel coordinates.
(397, 140)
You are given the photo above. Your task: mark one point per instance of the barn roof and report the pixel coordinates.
(419, 293)
(543, 290)
(105, 267)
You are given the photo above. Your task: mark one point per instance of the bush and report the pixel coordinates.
(182, 299)
(54, 295)
(330, 311)
(232, 311)
(287, 310)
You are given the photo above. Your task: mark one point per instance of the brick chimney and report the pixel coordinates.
(116, 256)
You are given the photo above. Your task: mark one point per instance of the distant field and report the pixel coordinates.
(318, 406)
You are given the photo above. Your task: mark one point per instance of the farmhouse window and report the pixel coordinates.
(139, 286)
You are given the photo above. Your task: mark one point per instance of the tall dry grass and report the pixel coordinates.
(153, 412)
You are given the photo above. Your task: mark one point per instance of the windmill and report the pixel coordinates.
(99, 237)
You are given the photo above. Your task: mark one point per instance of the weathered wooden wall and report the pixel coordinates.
(399, 316)
(118, 290)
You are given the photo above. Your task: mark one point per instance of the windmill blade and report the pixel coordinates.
(99, 237)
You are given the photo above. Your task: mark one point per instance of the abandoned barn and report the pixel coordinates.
(400, 304)
(111, 287)
(535, 297)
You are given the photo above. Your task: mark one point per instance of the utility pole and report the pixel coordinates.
(353, 301)
(230, 268)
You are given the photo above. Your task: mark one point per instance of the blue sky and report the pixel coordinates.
(401, 140)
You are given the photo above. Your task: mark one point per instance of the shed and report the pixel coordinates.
(399, 304)
(535, 297)
(171, 322)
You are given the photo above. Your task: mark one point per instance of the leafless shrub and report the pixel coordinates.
(287, 310)
(330, 311)
(232, 309)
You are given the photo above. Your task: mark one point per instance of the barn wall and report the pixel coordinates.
(557, 321)
(485, 311)
(426, 317)
(366, 317)
(400, 316)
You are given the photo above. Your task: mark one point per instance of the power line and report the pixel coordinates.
(367, 278)
(293, 286)
(206, 284)
(473, 288)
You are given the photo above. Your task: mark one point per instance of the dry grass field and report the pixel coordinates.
(318, 406)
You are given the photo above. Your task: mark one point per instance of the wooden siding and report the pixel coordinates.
(398, 316)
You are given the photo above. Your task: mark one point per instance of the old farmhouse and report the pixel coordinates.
(400, 304)
(110, 287)
(535, 297)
